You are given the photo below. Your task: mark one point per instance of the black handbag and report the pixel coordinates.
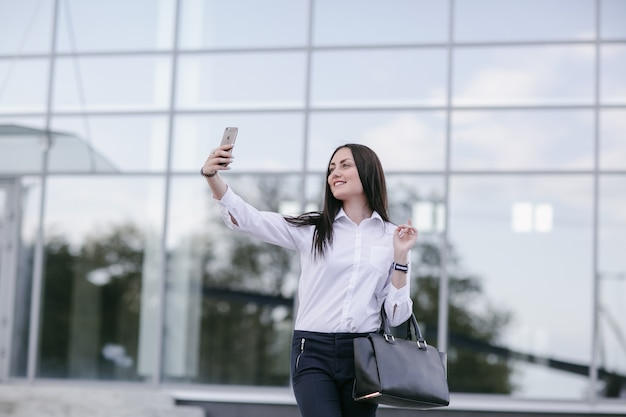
(399, 372)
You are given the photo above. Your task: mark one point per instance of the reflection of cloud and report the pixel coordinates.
(523, 140)
(407, 143)
(500, 84)
(536, 75)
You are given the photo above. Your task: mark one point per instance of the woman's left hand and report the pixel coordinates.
(404, 237)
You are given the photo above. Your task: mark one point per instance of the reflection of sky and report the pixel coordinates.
(377, 90)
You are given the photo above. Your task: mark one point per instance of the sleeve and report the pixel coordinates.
(398, 303)
(267, 226)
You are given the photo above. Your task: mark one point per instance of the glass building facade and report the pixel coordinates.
(501, 125)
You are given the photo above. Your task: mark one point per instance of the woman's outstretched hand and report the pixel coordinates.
(218, 160)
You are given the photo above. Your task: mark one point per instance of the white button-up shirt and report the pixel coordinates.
(344, 290)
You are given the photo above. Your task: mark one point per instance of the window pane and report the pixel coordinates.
(613, 70)
(30, 202)
(25, 26)
(524, 75)
(115, 25)
(21, 140)
(529, 20)
(268, 141)
(403, 141)
(405, 21)
(223, 286)
(613, 13)
(524, 240)
(379, 78)
(241, 23)
(612, 144)
(102, 260)
(106, 83)
(23, 85)
(612, 280)
(522, 140)
(109, 144)
(236, 81)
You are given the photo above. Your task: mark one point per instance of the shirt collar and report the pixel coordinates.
(342, 213)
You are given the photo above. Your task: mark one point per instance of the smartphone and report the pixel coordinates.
(229, 137)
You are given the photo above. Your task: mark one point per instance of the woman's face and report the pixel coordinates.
(343, 178)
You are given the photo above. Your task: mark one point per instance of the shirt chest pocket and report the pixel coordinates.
(381, 258)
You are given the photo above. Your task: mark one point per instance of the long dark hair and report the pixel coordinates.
(372, 178)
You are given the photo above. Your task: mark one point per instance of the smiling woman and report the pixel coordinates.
(339, 300)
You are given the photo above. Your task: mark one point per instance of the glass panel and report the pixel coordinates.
(524, 75)
(230, 297)
(102, 255)
(21, 145)
(25, 26)
(612, 285)
(105, 83)
(612, 144)
(267, 141)
(115, 25)
(236, 81)
(30, 202)
(23, 85)
(526, 20)
(241, 23)
(613, 14)
(380, 78)
(400, 21)
(613, 86)
(109, 144)
(418, 138)
(522, 140)
(521, 242)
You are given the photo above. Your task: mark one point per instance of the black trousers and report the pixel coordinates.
(322, 375)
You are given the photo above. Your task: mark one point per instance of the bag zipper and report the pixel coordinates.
(301, 351)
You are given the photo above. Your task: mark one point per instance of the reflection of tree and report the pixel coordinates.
(243, 336)
(56, 309)
(117, 255)
(90, 311)
(247, 310)
(469, 370)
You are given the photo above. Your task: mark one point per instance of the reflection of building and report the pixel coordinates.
(500, 125)
(23, 149)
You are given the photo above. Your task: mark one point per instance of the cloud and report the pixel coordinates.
(407, 142)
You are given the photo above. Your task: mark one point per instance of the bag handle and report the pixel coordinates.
(385, 329)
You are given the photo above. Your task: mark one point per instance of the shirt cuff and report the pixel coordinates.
(397, 295)
(229, 199)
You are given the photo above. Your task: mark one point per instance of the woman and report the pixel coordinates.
(353, 261)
